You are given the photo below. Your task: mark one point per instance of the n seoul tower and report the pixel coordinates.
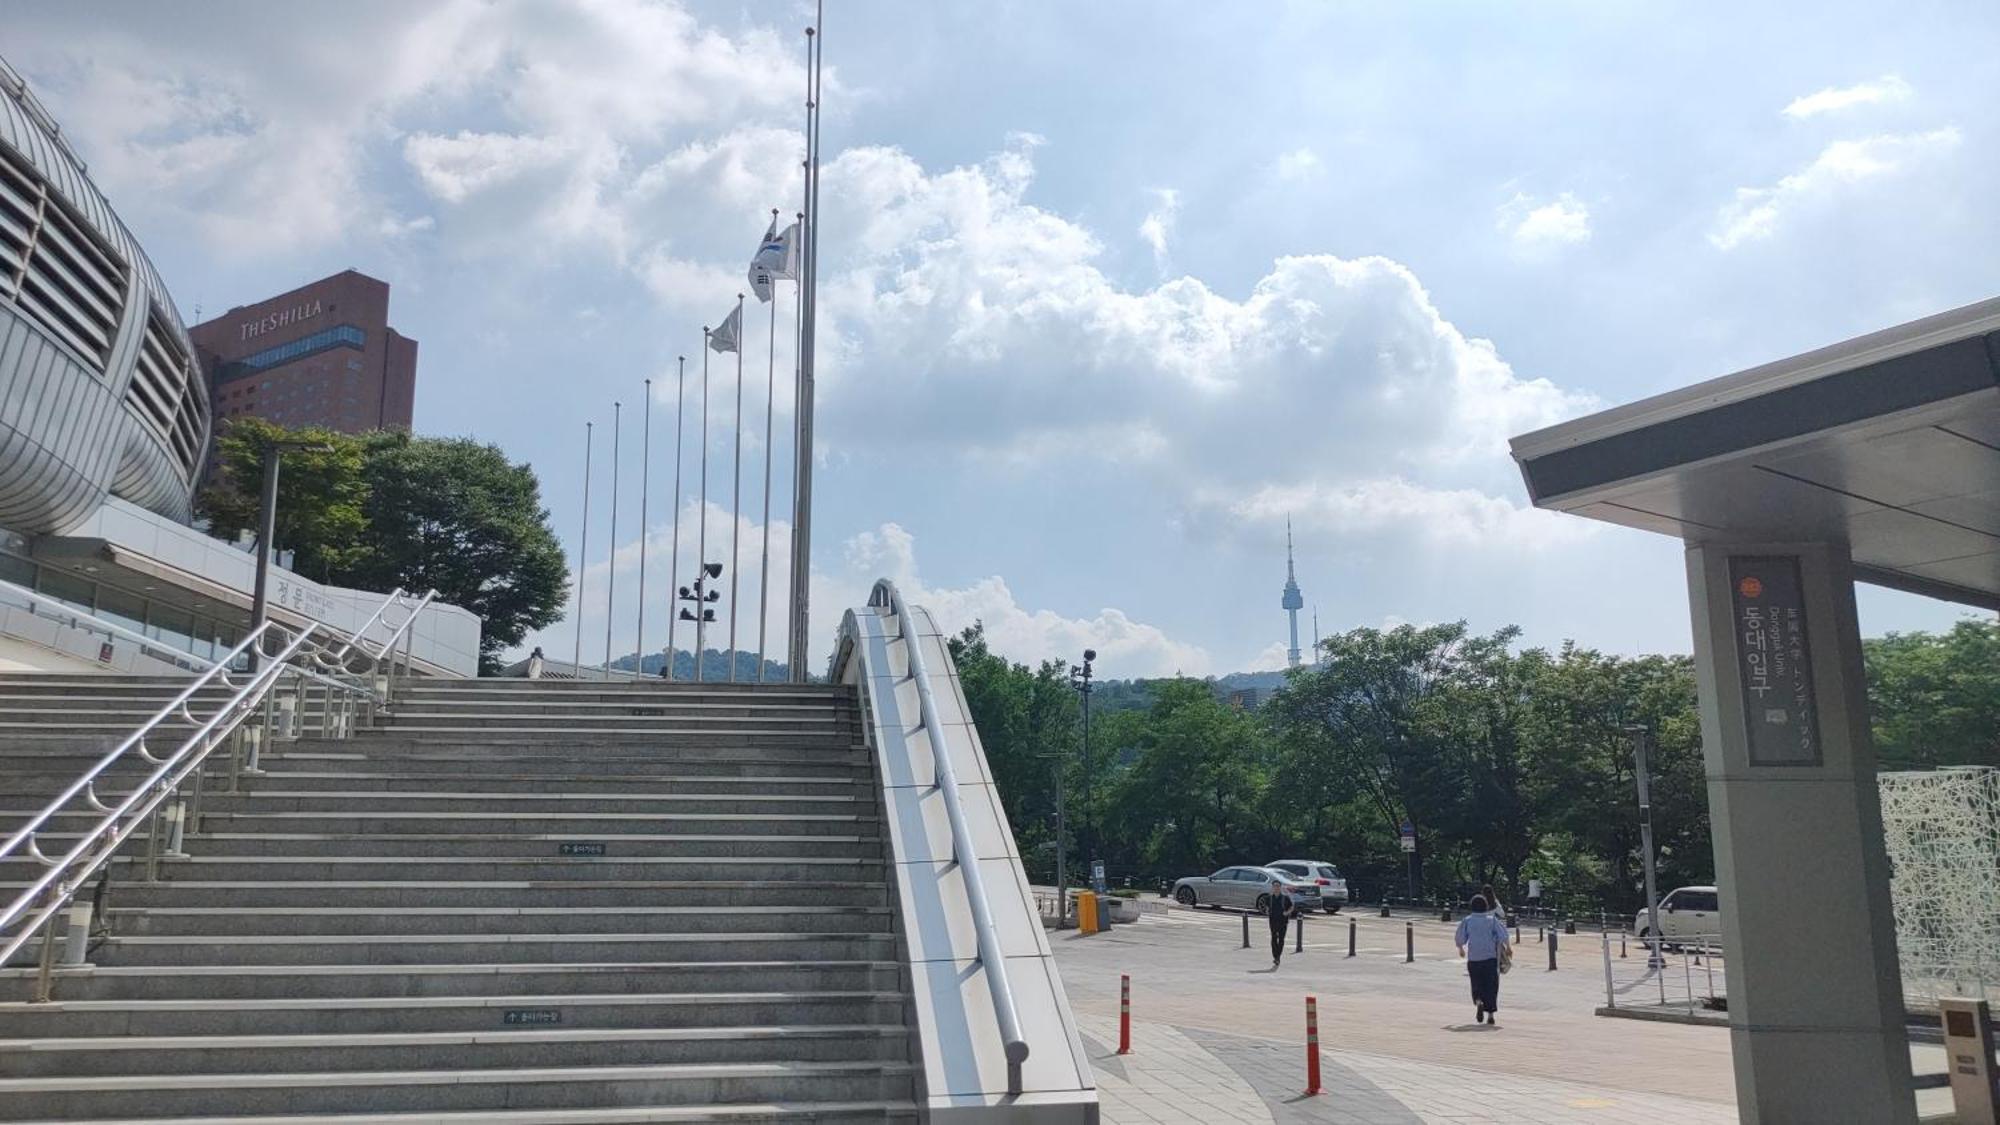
(1293, 601)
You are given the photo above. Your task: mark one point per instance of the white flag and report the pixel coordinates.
(729, 337)
(789, 270)
(771, 260)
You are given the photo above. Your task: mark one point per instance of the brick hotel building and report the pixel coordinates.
(321, 355)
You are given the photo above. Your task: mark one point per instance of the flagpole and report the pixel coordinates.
(582, 553)
(736, 496)
(645, 482)
(674, 559)
(701, 541)
(611, 565)
(802, 514)
(764, 560)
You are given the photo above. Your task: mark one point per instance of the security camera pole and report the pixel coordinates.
(1079, 678)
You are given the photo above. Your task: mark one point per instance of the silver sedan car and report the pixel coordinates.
(1244, 888)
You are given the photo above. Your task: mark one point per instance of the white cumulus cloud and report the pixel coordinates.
(1888, 88)
(1158, 225)
(1755, 212)
(1534, 224)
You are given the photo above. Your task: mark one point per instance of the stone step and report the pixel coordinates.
(488, 948)
(645, 686)
(375, 1015)
(309, 869)
(216, 982)
(128, 890)
(569, 825)
(563, 734)
(409, 704)
(322, 920)
(525, 845)
(465, 1091)
(902, 1112)
(851, 765)
(498, 779)
(504, 1048)
(567, 746)
(271, 797)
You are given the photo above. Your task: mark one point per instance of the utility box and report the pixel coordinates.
(1968, 1048)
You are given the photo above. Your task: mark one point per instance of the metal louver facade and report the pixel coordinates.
(99, 392)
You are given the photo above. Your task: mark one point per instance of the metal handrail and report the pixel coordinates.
(404, 628)
(886, 596)
(85, 619)
(354, 638)
(36, 906)
(405, 635)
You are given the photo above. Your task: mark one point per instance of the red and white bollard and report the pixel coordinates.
(1124, 1014)
(1312, 1046)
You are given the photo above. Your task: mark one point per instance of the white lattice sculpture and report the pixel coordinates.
(1942, 828)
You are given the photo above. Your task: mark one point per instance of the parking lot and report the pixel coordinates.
(1219, 1036)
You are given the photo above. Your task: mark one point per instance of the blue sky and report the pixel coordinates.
(1110, 290)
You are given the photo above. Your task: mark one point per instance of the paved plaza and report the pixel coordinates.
(1218, 1036)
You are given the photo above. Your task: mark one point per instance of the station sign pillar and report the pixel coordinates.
(1815, 991)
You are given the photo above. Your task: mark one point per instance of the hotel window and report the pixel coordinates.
(339, 336)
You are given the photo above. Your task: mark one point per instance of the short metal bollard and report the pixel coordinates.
(1246, 931)
(1312, 1046)
(1552, 949)
(1385, 909)
(1350, 937)
(1569, 925)
(1124, 1014)
(76, 942)
(1299, 938)
(1409, 943)
(1621, 943)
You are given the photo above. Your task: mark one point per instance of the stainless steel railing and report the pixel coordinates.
(964, 854)
(35, 909)
(386, 672)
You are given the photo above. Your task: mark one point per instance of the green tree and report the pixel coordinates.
(1193, 790)
(1935, 697)
(455, 515)
(321, 493)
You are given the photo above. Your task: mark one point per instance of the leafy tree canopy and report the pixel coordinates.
(388, 509)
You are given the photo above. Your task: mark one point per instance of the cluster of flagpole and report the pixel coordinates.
(783, 255)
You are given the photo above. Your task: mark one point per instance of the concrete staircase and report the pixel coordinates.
(513, 901)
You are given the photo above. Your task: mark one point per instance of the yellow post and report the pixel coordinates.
(1086, 912)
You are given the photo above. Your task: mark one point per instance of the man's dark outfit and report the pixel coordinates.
(1279, 909)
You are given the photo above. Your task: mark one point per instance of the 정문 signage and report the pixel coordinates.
(1773, 663)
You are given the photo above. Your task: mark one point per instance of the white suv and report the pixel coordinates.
(1332, 888)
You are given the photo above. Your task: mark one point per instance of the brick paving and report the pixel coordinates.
(1218, 1036)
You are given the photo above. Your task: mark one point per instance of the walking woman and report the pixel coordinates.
(1482, 941)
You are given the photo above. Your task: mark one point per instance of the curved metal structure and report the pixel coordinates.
(100, 391)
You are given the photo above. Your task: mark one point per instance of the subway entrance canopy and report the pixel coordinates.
(1878, 460)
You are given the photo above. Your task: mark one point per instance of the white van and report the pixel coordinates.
(1688, 915)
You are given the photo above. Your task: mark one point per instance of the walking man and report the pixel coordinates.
(1280, 909)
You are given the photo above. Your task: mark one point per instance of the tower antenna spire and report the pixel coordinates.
(1293, 601)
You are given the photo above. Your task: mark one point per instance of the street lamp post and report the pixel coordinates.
(267, 529)
(1641, 745)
